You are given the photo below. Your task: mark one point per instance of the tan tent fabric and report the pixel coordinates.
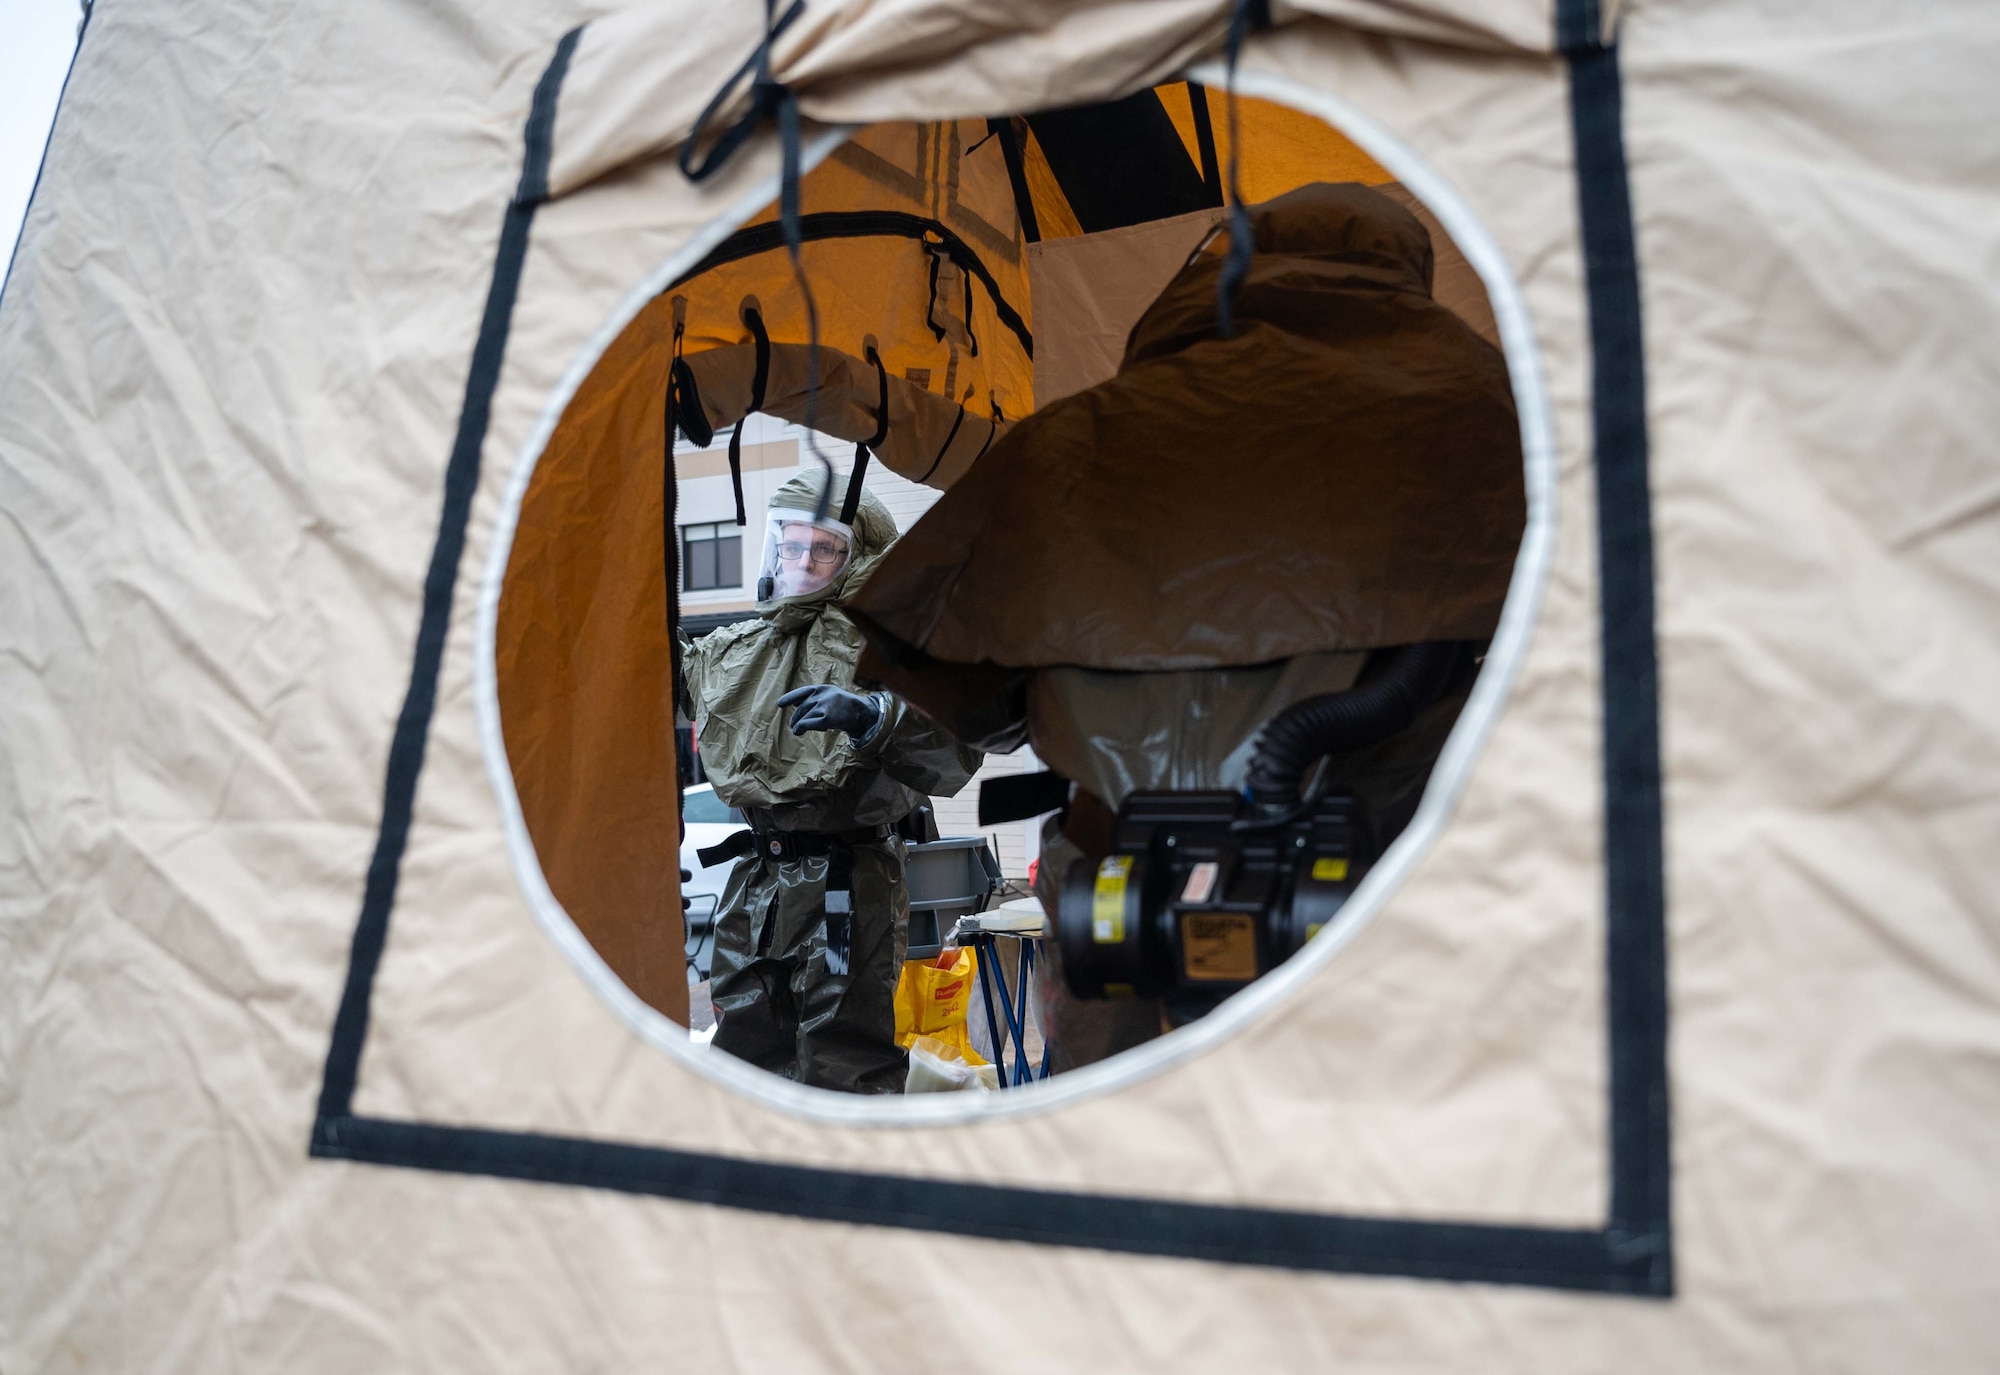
(929, 438)
(1091, 288)
(863, 62)
(234, 346)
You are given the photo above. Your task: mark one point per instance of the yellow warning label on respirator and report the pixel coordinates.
(1107, 903)
(1333, 870)
(1219, 945)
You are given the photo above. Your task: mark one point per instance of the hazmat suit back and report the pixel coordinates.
(1139, 576)
(814, 921)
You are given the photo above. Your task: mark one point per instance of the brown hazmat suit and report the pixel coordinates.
(1140, 575)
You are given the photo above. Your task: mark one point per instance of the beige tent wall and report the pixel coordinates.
(231, 357)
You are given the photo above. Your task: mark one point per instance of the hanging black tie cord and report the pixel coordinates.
(1245, 16)
(753, 320)
(770, 99)
(852, 503)
(766, 96)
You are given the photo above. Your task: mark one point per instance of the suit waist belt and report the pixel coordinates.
(784, 845)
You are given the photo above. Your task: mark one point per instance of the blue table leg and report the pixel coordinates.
(983, 953)
(1007, 1077)
(1024, 1073)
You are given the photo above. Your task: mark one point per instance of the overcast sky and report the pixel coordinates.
(36, 40)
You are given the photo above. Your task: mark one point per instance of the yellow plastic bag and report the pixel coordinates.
(932, 999)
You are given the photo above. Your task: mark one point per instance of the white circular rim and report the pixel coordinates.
(1454, 766)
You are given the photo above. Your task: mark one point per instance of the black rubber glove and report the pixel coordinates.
(826, 707)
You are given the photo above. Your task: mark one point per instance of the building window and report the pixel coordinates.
(711, 557)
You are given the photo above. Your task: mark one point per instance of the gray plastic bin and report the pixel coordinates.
(947, 879)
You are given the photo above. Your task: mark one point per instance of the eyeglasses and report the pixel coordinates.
(823, 552)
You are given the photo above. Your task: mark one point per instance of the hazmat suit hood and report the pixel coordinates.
(1341, 474)
(869, 536)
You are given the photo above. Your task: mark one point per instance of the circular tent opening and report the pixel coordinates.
(1096, 585)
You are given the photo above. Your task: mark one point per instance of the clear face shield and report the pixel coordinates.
(801, 555)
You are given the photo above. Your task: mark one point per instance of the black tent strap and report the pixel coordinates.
(461, 482)
(863, 224)
(1547, 1257)
(1017, 177)
(688, 415)
(765, 96)
(852, 503)
(1634, 853)
(1204, 141)
(1579, 26)
(1244, 17)
(774, 101)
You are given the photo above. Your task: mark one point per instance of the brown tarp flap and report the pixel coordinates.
(928, 439)
(936, 320)
(584, 672)
(1089, 290)
(1344, 473)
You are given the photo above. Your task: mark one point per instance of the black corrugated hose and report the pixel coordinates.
(1306, 732)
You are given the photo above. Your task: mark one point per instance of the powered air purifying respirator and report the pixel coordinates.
(1203, 893)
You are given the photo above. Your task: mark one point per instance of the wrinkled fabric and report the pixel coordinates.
(1342, 474)
(233, 350)
(1118, 733)
(799, 988)
(809, 993)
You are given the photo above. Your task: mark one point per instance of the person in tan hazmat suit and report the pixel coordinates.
(815, 918)
(1141, 577)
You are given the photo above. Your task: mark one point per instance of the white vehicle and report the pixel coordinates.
(710, 820)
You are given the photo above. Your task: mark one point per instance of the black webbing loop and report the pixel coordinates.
(753, 320)
(853, 501)
(881, 401)
(765, 96)
(930, 306)
(690, 415)
(1244, 16)
(972, 338)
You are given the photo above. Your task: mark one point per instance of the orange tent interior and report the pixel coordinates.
(926, 247)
